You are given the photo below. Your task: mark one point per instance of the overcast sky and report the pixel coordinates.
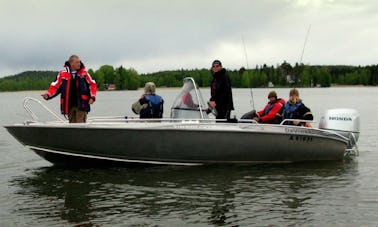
(172, 34)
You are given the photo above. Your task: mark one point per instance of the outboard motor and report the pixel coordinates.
(345, 122)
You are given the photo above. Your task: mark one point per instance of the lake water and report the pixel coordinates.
(35, 193)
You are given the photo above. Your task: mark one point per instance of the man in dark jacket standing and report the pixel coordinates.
(221, 93)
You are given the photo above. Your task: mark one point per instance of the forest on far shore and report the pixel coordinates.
(283, 75)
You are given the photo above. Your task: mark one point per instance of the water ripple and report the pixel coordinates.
(223, 195)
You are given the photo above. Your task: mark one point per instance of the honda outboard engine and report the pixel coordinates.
(345, 122)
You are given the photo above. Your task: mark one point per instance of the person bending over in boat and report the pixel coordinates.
(295, 109)
(187, 100)
(77, 88)
(221, 93)
(150, 105)
(272, 112)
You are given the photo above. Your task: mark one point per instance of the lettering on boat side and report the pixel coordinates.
(300, 138)
(192, 126)
(298, 130)
(336, 118)
(301, 130)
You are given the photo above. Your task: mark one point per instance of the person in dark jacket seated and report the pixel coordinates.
(272, 112)
(295, 109)
(150, 105)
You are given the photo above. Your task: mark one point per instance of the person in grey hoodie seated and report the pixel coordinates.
(150, 105)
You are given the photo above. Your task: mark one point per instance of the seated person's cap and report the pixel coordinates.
(272, 94)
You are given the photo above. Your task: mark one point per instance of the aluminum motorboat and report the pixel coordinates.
(188, 137)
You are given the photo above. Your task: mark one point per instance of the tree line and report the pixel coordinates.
(283, 75)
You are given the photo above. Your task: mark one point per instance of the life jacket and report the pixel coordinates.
(290, 107)
(282, 103)
(290, 111)
(85, 85)
(269, 107)
(154, 108)
(297, 111)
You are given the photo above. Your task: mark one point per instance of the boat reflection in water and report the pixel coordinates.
(189, 137)
(303, 193)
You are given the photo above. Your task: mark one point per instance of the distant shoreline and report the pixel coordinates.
(359, 85)
(263, 76)
(172, 88)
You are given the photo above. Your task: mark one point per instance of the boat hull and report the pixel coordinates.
(178, 144)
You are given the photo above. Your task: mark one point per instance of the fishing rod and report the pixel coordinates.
(303, 49)
(246, 59)
(304, 44)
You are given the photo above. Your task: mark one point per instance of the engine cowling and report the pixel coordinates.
(343, 121)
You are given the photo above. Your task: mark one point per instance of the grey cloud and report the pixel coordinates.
(41, 34)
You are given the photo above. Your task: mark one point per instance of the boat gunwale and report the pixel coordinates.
(195, 127)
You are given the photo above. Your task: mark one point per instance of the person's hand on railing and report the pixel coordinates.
(45, 96)
(257, 119)
(211, 104)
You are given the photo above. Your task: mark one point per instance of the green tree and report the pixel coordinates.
(263, 80)
(120, 78)
(133, 79)
(109, 74)
(306, 79)
(254, 80)
(364, 77)
(351, 78)
(206, 76)
(324, 77)
(100, 79)
(245, 79)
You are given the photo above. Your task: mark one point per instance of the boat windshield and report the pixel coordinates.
(189, 103)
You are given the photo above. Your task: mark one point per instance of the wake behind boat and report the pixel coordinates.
(189, 137)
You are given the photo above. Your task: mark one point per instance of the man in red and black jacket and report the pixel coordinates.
(272, 112)
(77, 89)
